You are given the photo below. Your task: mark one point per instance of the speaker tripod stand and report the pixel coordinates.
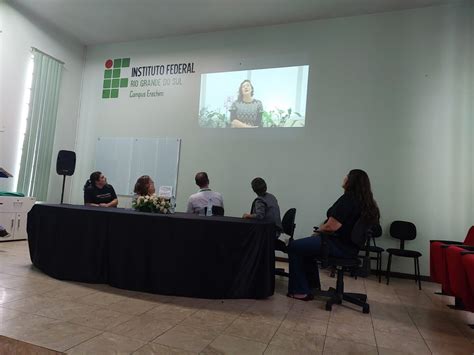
(62, 190)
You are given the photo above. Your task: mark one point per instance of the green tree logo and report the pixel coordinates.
(112, 79)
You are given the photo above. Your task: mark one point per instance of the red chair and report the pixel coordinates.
(457, 275)
(467, 260)
(438, 267)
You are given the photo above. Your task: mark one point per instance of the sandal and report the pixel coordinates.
(308, 297)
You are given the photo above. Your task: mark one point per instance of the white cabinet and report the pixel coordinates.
(13, 216)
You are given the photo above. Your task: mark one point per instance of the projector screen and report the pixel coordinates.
(259, 98)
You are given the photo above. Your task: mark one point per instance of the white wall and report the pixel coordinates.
(389, 93)
(19, 34)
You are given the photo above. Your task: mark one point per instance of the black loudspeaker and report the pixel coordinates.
(66, 162)
(65, 165)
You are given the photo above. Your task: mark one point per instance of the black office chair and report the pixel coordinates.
(217, 211)
(288, 222)
(360, 233)
(404, 231)
(373, 233)
(288, 226)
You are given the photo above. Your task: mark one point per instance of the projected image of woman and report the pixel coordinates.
(246, 112)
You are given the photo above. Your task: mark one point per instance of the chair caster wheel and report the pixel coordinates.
(328, 307)
(366, 308)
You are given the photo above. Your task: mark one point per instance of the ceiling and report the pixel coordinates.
(106, 21)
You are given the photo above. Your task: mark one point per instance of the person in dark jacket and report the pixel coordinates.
(265, 207)
(356, 202)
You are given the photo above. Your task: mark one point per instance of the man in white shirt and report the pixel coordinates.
(199, 200)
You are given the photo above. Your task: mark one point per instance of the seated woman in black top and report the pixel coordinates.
(356, 202)
(98, 193)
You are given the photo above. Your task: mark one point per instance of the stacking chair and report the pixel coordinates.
(288, 222)
(373, 233)
(457, 275)
(467, 259)
(438, 266)
(288, 225)
(404, 231)
(359, 236)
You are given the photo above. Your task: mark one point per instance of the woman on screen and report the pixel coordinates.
(144, 186)
(246, 112)
(98, 193)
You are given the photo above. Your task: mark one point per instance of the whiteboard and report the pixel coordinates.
(124, 160)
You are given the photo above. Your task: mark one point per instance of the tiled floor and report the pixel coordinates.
(83, 318)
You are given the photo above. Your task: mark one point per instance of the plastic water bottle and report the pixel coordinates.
(209, 208)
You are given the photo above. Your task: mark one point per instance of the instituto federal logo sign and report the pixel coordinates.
(112, 77)
(142, 81)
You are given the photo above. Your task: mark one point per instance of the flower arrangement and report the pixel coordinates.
(153, 203)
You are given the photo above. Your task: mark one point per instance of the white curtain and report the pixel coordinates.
(37, 150)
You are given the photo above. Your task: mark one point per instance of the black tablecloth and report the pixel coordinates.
(179, 254)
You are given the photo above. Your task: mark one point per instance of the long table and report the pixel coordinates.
(178, 254)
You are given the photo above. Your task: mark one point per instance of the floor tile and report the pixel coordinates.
(7, 314)
(107, 343)
(26, 325)
(13, 346)
(65, 310)
(351, 333)
(144, 328)
(252, 330)
(152, 349)
(205, 319)
(462, 346)
(281, 350)
(338, 346)
(100, 318)
(70, 292)
(403, 343)
(132, 306)
(171, 313)
(263, 316)
(31, 304)
(61, 336)
(9, 295)
(314, 310)
(227, 344)
(100, 298)
(298, 341)
(406, 328)
(187, 338)
(298, 323)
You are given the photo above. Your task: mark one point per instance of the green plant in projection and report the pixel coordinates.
(281, 118)
(212, 119)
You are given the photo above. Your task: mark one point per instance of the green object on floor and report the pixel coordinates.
(14, 194)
